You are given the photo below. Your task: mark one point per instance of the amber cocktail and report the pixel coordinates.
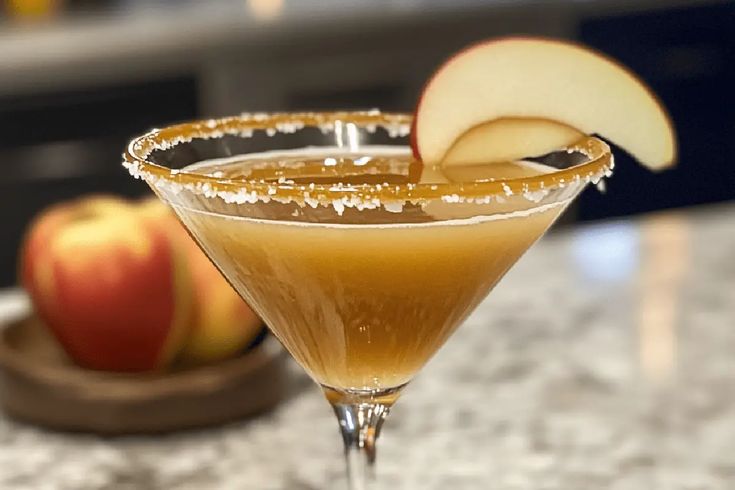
(360, 259)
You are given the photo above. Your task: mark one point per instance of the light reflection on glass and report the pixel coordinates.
(665, 243)
(346, 135)
(339, 134)
(353, 137)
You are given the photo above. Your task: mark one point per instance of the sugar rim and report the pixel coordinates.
(135, 159)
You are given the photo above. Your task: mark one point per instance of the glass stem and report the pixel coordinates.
(360, 425)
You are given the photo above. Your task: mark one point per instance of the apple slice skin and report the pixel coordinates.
(509, 139)
(412, 140)
(546, 80)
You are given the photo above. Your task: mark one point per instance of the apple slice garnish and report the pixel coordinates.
(509, 139)
(536, 78)
(500, 141)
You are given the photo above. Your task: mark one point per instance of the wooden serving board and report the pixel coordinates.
(40, 385)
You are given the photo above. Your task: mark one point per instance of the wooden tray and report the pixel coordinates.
(39, 384)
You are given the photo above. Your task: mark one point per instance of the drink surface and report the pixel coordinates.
(362, 299)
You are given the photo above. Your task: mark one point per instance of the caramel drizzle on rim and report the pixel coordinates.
(140, 149)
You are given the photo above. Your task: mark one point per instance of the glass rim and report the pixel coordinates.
(137, 160)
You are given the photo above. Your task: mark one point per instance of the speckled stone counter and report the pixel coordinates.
(604, 360)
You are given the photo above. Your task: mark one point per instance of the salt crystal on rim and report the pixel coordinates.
(339, 206)
(289, 127)
(151, 142)
(535, 196)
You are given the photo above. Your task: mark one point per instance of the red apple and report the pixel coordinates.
(540, 79)
(111, 287)
(222, 323)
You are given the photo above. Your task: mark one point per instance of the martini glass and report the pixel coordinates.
(361, 260)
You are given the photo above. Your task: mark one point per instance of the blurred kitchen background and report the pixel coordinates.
(78, 78)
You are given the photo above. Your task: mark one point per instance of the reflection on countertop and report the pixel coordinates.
(653, 252)
(604, 360)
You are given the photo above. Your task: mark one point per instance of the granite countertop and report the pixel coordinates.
(604, 360)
